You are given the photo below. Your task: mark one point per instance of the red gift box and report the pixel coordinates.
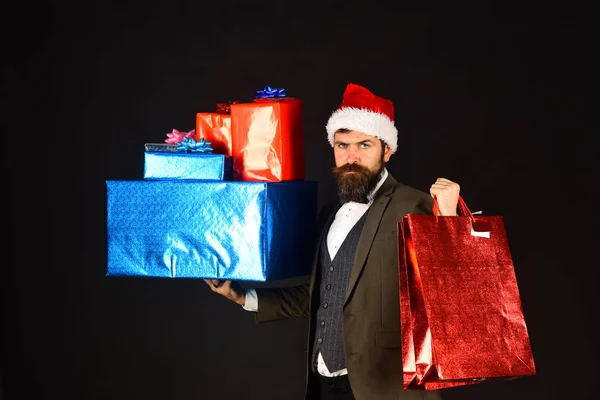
(215, 127)
(461, 315)
(267, 140)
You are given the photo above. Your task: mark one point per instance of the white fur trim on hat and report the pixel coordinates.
(365, 121)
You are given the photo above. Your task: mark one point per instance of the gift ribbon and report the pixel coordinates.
(269, 92)
(225, 108)
(191, 145)
(177, 136)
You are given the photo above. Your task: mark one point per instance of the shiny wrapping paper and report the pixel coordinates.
(215, 128)
(244, 231)
(267, 139)
(461, 314)
(174, 165)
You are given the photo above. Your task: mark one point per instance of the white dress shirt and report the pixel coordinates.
(345, 219)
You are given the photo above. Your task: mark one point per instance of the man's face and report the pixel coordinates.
(359, 159)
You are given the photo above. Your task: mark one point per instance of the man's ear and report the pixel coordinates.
(387, 153)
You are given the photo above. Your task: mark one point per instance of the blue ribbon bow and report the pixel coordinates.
(190, 145)
(269, 92)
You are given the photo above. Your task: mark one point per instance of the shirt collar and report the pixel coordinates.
(382, 178)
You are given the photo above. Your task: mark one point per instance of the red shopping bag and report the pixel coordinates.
(461, 314)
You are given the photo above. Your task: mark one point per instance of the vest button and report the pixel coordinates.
(320, 340)
(327, 287)
(331, 268)
(322, 323)
(325, 305)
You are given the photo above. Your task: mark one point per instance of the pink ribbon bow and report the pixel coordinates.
(178, 136)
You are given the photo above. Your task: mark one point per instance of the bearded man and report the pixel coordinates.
(352, 298)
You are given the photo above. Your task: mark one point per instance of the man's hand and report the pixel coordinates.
(228, 289)
(446, 193)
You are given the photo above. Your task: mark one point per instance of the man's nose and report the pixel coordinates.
(353, 156)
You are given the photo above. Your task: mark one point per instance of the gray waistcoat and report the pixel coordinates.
(335, 278)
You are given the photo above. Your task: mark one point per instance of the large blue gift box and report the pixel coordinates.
(179, 165)
(244, 231)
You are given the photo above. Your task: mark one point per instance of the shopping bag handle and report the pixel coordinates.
(462, 206)
(478, 225)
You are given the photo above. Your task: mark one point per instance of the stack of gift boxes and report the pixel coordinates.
(227, 200)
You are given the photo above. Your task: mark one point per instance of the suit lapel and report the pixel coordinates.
(375, 213)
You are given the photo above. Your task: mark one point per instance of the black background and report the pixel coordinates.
(491, 97)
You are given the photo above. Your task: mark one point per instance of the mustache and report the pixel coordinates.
(354, 186)
(350, 168)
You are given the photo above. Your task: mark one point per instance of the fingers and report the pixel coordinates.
(219, 286)
(446, 193)
(213, 283)
(443, 184)
(228, 289)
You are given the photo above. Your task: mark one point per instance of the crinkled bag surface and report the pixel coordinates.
(461, 315)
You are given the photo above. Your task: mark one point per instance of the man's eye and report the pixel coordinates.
(365, 145)
(342, 145)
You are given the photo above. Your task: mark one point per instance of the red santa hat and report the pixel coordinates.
(365, 112)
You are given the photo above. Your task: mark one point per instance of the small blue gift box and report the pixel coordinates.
(165, 162)
(244, 231)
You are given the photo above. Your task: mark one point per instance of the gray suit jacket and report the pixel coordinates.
(371, 313)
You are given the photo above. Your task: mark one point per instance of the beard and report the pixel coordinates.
(356, 186)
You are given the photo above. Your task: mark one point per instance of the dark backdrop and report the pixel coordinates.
(492, 98)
